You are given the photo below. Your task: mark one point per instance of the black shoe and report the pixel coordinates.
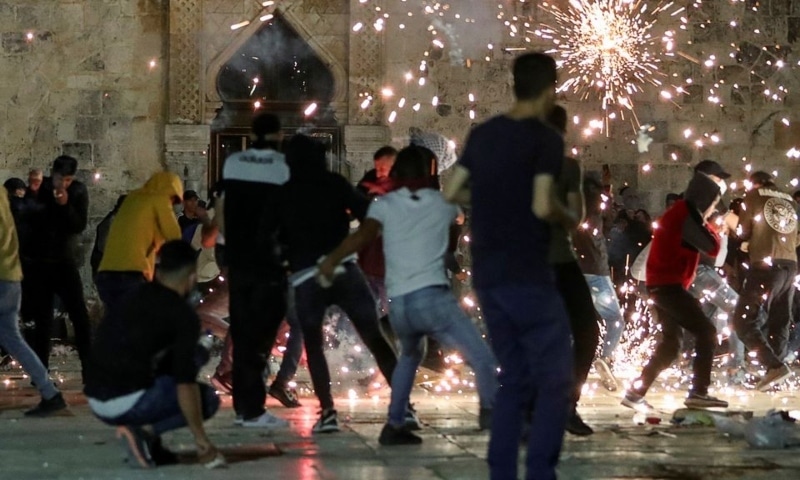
(287, 396)
(576, 426)
(397, 436)
(485, 419)
(48, 407)
(328, 422)
(160, 454)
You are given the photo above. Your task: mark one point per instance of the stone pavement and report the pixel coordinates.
(80, 447)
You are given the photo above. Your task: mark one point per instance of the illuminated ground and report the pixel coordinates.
(78, 446)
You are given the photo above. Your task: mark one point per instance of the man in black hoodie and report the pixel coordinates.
(316, 206)
(51, 268)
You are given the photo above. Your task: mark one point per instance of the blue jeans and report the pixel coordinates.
(530, 335)
(159, 407)
(607, 305)
(11, 339)
(434, 311)
(719, 296)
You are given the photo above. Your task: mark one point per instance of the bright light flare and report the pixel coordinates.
(606, 49)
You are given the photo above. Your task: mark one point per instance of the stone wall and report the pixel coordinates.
(77, 79)
(749, 125)
(93, 78)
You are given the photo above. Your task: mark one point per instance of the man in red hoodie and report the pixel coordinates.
(682, 234)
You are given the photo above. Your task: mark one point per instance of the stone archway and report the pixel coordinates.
(201, 41)
(340, 81)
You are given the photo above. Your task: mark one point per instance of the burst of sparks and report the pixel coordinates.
(606, 49)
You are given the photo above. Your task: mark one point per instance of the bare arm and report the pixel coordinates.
(577, 209)
(189, 402)
(457, 189)
(545, 204)
(366, 233)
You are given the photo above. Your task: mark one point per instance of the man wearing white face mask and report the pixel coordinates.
(714, 171)
(768, 224)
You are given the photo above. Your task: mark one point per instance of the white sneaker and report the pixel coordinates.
(266, 420)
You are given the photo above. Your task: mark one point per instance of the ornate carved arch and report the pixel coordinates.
(340, 78)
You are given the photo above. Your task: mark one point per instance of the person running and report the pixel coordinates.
(768, 224)
(415, 222)
(315, 218)
(10, 298)
(683, 233)
(508, 171)
(590, 247)
(142, 375)
(583, 318)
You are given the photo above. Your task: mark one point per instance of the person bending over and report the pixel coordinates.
(143, 370)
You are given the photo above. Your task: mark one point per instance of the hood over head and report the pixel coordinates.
(164, 183)
(305, 156)
(701, 192)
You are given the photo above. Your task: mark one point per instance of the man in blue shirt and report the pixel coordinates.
(508, 171)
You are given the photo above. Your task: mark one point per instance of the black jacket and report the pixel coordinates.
(316, 207)
(55, 229)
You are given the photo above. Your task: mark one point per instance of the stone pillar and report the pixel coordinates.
(365, 133)
(185, 80)
(186, 138)
(360, 143)
(186, 154)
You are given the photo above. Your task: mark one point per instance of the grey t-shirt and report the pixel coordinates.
(560, 242)
(416, 229)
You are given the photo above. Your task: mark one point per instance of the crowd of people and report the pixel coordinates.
(550, 248)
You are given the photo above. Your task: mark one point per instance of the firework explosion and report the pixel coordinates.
(607, 48)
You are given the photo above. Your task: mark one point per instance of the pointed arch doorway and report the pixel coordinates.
(276, 71)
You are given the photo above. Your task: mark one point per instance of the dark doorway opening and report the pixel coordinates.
(275, 71)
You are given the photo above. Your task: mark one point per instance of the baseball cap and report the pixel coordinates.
(710, 167)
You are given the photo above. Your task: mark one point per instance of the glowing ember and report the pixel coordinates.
(607, 49)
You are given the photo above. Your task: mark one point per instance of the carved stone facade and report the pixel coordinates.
(129, 86)
(202, 41)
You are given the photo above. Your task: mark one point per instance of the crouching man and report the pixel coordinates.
(143, 370)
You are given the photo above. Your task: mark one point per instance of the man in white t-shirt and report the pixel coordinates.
(415, 221)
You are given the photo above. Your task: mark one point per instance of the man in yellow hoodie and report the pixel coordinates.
(145, 221)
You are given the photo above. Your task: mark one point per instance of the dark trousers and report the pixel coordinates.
(776, 283)
(583, 320)
(159, 407)
(114, 288)
(675, 308)
(257, 307)
(530, 337)
(352, 294)
(43, 281)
